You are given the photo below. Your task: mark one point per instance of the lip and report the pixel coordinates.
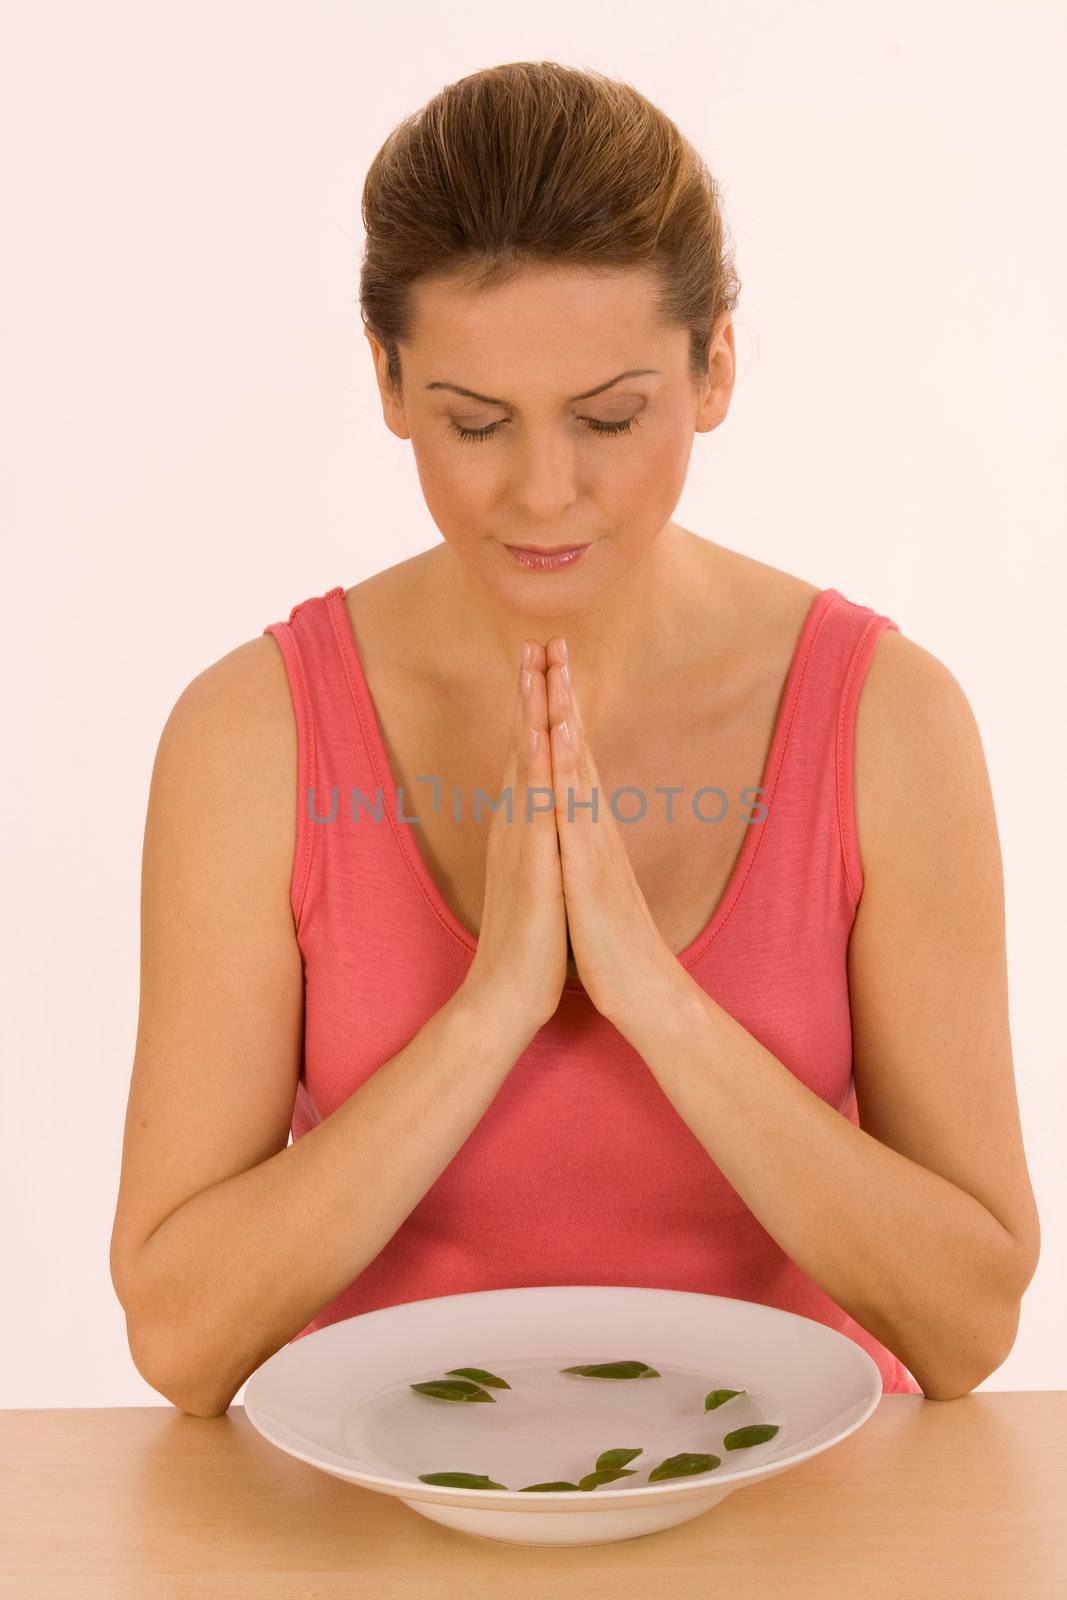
(548, 558)
(547, 549)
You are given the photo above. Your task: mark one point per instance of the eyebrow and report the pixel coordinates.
(470, 394)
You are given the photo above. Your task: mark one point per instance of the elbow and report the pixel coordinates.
(952, 1390)
(155, 1352)
(953, 1383)
(196, 1409)
(960, 1373)
(169, 1379)
(192, 1402)
(988, 1339)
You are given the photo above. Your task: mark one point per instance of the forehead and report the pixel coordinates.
(564, 329)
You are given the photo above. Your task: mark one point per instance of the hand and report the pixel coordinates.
(619, 953)
(522, 942)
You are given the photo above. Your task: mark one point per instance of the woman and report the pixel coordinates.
(767, 1058)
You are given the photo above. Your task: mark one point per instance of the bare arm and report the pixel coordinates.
(227, 1241)
(921, 1223)
(240, 1268)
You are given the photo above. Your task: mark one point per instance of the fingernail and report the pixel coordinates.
(526, 653)
(565, 674)
(564, 732)
(563, 649)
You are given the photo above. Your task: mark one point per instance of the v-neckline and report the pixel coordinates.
(348, 646)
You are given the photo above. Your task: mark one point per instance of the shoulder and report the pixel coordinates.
(911, 705)
(921, 778)
(240, 699)
(226, 761)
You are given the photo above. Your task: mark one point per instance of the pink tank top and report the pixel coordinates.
(580, 1171)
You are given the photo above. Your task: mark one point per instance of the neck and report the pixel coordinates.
(646, 623)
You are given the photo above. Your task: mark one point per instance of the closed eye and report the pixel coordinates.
(593, 423)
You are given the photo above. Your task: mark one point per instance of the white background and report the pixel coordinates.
(193, 443)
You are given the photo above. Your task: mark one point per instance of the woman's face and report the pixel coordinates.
(510, 445)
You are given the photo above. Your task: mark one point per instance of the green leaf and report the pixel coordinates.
(453, 1389)
(615, 1369)
(461, 1480)
(757, 1433)
(719, 1397)
(606, 1475)
(480, 1375)
(682, 1465)
(616, 1458)
(530, 1487)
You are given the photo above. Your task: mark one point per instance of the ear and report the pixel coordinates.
(719, 383)
(392, 409)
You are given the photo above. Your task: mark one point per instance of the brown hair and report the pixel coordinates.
(537, 164)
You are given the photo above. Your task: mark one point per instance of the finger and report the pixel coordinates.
(574, 768)
(532, 698)
(570, 779)
(537, 708)
(538, 653)
(536, 759)
(516, 730)
(564, 710)
(554, 685)
(518, 747)
(573, 711)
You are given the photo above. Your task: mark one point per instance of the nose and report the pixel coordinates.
(545, 476)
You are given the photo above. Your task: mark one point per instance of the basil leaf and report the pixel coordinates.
(606, 1475)
(480, 1375)
(453, 1389)
(461, 1480)
(758, 1433)
(530, 1487)
(683, 1465)
(616, 1458)
(615, 1369)
(719, 1397)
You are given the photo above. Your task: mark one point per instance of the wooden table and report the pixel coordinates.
(951, 1500)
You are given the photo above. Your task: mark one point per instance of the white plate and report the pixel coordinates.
(340, 1399)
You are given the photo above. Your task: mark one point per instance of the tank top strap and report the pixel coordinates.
(333, 744)
(815, 792)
